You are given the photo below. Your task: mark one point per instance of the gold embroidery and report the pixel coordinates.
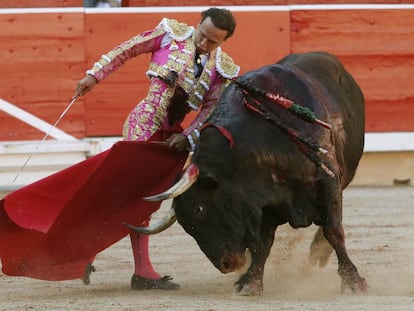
(181, 61)
(126, 46)
(161, 101)
(226, 66)
(196, 97)
(178, 31)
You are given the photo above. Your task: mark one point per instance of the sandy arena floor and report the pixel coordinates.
(379, 226)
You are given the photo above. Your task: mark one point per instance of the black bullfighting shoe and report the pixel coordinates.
(140, 283)
(86, 277)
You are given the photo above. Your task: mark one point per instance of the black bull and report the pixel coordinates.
(259, 166)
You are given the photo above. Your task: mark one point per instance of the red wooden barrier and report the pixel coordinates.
(42, 56)
(40, 3)
(141, 3)
(158, 3)
(378, 48)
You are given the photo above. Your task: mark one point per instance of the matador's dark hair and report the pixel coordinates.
(221, 18)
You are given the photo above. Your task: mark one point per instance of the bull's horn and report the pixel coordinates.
(158, 227)
(188, 160)
(189, 177)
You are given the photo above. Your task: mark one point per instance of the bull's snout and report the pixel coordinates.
(231, 262)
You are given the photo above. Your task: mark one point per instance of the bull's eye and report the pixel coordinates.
(199, 211)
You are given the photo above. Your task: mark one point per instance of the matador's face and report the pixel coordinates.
(208, 37)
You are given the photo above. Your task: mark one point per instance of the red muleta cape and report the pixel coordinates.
(53, 228)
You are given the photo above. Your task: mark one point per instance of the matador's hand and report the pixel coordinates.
(178, 141)
(84, 86)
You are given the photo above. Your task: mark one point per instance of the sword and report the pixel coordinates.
(44, 138)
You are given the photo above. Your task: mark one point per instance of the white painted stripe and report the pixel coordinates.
(353, 7)
(252, 8)
(390, 141)
(197, 9)
(34, 121)
(186, 9)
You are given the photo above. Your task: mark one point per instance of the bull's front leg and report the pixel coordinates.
(251, 282)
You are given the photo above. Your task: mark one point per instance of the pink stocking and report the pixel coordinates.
(140, 250)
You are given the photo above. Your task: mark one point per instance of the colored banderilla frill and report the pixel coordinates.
(302, 112)
(308, 148)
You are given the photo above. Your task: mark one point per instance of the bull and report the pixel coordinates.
(282, 145)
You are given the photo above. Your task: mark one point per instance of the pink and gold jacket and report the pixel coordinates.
(172, 46)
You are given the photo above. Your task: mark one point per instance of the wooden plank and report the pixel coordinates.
(43, 90)
(41, 54)
(354, 32)
(389, 115)
(141, 3)
(40, 3)
(386, 82)
(44, 55)
(41, 50)
(34, 121)
(37, 82)
(13, 129)
(383, 77)
(72, 123)
(50, 25)
(144, 3)
(264, 43)
(43, 37)
(377, 47)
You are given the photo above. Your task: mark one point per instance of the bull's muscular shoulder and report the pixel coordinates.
(327, 69)
(178, 31)
(225, 65)
(322, 65)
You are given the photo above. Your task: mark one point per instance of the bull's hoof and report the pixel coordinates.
(253, 288)
(320, 250)
(356, 285)
(320, 255)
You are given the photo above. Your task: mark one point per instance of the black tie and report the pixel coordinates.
(198, 65)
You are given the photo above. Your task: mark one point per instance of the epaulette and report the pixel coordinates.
(225, 65)
(178, 31)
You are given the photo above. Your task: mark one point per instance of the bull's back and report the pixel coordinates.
(348, 100)
(329, 71)
(315, 80)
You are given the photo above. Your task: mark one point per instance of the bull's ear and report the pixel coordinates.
(207, 181)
